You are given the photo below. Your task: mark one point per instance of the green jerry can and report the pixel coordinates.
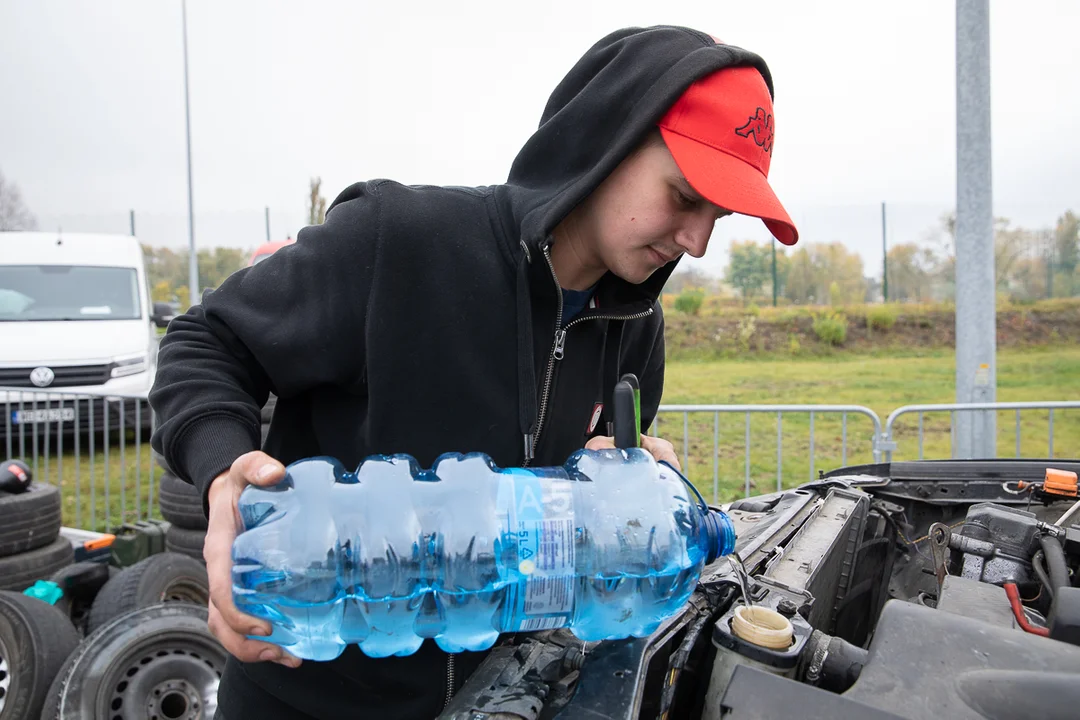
(138, 541)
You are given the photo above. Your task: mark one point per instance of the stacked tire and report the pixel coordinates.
(31, 547)
(35, 641)
(182, 506)
(147, 650)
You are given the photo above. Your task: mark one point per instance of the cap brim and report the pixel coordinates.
(731, 183)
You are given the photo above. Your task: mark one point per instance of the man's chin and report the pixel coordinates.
(635, 276)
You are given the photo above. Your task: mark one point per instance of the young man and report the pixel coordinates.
(426, 320)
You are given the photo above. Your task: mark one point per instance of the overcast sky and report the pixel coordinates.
(92, 105)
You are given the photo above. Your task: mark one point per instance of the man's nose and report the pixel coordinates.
(693, 236)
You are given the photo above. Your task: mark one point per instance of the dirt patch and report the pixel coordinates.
(792, 331)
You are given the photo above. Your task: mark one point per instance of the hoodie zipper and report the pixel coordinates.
(558, 348)
(449, 679)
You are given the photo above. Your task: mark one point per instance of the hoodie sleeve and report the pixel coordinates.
(293, 321)
(652, 381)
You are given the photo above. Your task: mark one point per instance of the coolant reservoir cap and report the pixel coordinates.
(762, 626)
(720, 531)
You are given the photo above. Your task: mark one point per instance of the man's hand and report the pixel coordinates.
(661, 449)
(228, 624)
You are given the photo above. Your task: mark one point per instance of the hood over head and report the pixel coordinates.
(601, 111)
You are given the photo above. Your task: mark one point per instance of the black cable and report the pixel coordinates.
(1055, 561)
(679, 657)
(889, 519)
(1040, 572)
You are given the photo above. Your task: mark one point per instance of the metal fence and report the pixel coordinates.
(95, 448)
(722, 467)
(888, 443)
(818, 437)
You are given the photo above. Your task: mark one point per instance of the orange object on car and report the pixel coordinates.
(267, 249)
(1060, 482)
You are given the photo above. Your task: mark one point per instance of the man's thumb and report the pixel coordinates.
(263, 470)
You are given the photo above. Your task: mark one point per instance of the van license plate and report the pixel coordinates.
(30, 417)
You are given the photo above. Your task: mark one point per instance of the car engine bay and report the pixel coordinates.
(930, 589)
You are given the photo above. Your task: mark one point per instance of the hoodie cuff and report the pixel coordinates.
(209, 447)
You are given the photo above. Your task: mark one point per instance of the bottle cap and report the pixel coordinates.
(720, 532)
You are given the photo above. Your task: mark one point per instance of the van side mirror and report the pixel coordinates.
(163, 313)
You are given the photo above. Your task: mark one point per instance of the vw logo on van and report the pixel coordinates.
(42, 376)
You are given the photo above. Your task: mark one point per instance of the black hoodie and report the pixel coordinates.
(425, 320)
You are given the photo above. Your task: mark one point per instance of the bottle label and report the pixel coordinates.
(542, 520)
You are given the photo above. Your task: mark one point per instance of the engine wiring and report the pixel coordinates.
(1013, 592)
(1073, 509)
(678, 661)
(1044, 577)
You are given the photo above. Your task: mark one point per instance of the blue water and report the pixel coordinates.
(609, 545)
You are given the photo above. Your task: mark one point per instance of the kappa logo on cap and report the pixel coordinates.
(760, 125)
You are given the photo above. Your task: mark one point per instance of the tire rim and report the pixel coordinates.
(175, 679)
(5, 675)
(186, 590)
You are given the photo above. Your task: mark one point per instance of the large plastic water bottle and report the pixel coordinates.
(609, 545)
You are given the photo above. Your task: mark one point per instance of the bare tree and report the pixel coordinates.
(316, 204)
(1010, 244)
(14, 215)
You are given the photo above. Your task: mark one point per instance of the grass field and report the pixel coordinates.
(881, 384)
(100, 493)
(102, 488)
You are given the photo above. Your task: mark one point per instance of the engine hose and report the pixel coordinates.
(1013, 593)
(1055, 561)
(1040, 572)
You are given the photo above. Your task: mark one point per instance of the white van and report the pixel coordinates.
(75, 314)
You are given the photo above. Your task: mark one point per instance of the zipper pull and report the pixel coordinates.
(560, 345)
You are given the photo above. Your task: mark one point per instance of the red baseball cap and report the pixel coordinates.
(720, 133)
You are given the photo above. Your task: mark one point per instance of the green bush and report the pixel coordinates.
(881, 317)
(831, 328)
(794, 347)
(753, 309)
(689, 301)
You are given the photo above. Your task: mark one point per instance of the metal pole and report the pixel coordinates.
(268, 224)
(193, 260)
(132, 214)
(774, 289)
(884, 259)
(976, 341)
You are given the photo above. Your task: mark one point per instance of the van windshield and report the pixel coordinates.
(68, 292)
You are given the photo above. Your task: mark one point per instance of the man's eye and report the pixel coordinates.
(685, 199)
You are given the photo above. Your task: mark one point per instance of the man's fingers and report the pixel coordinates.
(258, 468)
(600, 442)
(662, 450)
(245, 649)
(217, 551)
